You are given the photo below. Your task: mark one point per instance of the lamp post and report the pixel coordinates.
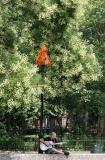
(42, 60)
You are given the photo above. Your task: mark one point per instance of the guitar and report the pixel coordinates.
(49, 144)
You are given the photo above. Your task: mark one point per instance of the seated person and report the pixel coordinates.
(48, 145)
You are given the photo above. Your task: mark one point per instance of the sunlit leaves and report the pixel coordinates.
(26, 25)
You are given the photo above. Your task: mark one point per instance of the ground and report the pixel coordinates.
(7, 155)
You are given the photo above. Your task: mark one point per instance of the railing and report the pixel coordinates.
(85, 145)
(72, 145)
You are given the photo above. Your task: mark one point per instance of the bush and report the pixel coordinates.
(12, 143)
(30, 142)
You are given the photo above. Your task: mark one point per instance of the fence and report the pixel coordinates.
(84, 145)
(72, 145)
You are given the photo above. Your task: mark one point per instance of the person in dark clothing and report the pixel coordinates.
(50, 144)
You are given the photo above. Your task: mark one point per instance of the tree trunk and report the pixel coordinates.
(101, 125)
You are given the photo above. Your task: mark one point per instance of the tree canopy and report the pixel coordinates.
(26, 25)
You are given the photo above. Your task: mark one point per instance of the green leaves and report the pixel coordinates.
(25, 26)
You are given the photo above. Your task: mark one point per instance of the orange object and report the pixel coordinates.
(43, 58)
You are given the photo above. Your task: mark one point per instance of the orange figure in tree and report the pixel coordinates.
(43, 58)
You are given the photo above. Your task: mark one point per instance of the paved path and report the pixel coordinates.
(4, 156)
(35, 156)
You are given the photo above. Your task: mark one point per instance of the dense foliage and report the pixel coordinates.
(25, 25)
(93, 31)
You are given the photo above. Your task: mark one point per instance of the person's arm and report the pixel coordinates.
(44, 142)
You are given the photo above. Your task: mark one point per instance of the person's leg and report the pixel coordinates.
(60, 151)
(57, 151)
(49, 151)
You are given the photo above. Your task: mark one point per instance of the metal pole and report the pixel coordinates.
(41, 123)
(41, 110)
(41, 116)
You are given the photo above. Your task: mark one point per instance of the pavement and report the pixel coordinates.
(8, 155)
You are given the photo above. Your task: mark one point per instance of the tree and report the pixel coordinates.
(25, 26)
(93, 31)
